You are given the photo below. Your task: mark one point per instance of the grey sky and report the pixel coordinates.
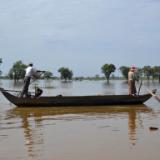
(79, 34)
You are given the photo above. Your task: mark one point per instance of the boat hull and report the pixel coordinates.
(76, 100)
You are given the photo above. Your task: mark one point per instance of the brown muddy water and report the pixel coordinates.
(81, 133)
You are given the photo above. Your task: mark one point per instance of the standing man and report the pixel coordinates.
(30, 72)
(131, 81)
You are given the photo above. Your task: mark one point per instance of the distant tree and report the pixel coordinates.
(139, 74)
(156, 72)
(97, 76)
(0, 64)
(66, 74)
(147, 70)
(124, 70)
(17, 71)
(47, 75)
(79, 78)
(107, 69)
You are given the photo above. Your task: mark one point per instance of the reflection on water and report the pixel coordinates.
(32, 120)
(65, 84)
(68, 133)
(109, 88)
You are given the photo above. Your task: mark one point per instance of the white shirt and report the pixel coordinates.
(30, 71)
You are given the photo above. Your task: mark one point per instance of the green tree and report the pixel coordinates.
(0, 64)
(17, 71)
(107, 69)
(156, 72)
(47, 75)
(139, 74)
(124, 70)
(66, 74)
(147, 70)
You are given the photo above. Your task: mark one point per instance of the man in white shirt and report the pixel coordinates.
(30, 72)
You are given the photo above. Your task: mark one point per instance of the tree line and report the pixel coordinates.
(148, 72)
(17, 72)
(0, 64)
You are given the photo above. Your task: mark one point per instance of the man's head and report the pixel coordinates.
(30, 64)
(133, 68)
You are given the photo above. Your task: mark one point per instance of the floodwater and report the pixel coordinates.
(81, 133)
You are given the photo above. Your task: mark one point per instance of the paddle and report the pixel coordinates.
(13, 91)
(154, 95)
(139, 87)
(151, 92)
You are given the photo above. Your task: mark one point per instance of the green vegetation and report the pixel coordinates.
(153, 72)
(147, 70)
(66, 74)
(156, 72)
(124, 70)
(17, 72)
(0, 64)
(107, 69)
(47, 75)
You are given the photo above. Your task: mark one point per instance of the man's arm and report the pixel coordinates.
(41, 71)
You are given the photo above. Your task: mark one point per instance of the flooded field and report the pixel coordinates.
(80, 133)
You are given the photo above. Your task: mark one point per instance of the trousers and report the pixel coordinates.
(25, 87)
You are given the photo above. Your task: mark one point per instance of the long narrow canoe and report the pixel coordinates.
(75, 100)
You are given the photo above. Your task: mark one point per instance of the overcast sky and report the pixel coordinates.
(79, 34)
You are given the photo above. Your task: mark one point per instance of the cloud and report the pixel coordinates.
(90, 31)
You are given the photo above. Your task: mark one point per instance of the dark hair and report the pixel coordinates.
(31, 64)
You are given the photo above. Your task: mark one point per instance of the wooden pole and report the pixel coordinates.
(154, 95)
(140, 87)
(13, 91)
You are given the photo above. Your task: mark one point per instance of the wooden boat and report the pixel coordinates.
(75, 100)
